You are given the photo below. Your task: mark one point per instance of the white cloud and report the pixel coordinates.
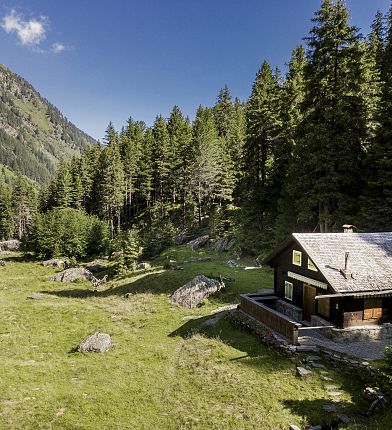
(57, 48)
(29, 33)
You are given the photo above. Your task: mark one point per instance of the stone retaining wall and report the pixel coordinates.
(354, 334)
(289, 310)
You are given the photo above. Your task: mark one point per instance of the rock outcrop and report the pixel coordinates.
(96, 266)
(143, 266)
(72, 274)
(97, 342)
(10, 245)
(194, 292)
(199, 242)
(224, 245)
(56, 262)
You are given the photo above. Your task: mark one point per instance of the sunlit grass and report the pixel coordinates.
(163, 370)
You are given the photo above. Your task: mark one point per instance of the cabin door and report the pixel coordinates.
(309, 303)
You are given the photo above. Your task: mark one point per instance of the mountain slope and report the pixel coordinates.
(34, 134)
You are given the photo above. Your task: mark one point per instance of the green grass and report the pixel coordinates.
(164, 370)
(38, 114)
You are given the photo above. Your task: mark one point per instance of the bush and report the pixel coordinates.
(66, 232)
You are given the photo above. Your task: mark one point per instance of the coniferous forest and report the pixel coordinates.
(310, 150)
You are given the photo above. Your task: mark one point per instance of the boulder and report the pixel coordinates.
(181, 238)
(343, 418)
(143, 266)
(302, 372)
(195, 291)
(10, 245)
(96, 266)
(173, 266)
(199, 242)
(56, 262)
(232, 264)
(72, 274)
(97, 342)
(224, 245)
(329, 407)
(197, 260)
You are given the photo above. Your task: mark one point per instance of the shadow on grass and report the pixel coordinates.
(18, 258)
(313, 412)
(247, 345)
(264, 359)
(164, 282)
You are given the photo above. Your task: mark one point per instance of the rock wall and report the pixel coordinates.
(355, 334)
(289, 310)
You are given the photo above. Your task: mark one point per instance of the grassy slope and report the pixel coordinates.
(163, 371)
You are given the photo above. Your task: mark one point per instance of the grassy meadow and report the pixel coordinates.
(165, 369)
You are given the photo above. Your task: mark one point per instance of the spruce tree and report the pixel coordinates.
(63, 188)
(263, 137)
(329, 148)
(284, 168)
(6, 213)
(377, 197)
(25, 202)
(162, 159)
(111, 182)
(207, 161)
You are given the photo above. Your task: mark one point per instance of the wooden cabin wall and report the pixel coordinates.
(354, 312)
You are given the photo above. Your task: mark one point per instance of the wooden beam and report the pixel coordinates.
(364, 294)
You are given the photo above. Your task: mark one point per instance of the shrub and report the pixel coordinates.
(66, 232)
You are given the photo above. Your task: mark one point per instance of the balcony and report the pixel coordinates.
(261, 307)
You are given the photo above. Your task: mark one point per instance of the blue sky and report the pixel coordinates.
(101, 60)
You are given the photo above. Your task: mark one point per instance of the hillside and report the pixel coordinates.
(34, 134)
(167, 368)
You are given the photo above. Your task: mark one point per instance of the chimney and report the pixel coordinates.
(346, 255)
(348, 228)
(345, 272)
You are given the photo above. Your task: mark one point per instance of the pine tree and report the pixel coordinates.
(130, 154)
(179, 137)
(146, 168)
(330, 140)
(263, 130)
(24, 198)
(111, 182)
(230, 124)
(291, 108)
(207, 161)
(377, 39)
(377, 197)
(63, 188)
(6, 213)
(77, 184)
(162, 159)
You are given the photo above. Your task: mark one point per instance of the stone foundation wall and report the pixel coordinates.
(354, 334)
(289, 310)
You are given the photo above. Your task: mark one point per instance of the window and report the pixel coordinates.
(288, 290)
(311, 265)
(323, 307)
(372, 309)
(297, 258)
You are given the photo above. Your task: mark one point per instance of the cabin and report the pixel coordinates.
(341, 279)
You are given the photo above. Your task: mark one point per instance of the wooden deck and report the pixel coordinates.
(255, 306)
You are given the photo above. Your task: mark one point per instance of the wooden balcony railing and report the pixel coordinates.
(253, 305)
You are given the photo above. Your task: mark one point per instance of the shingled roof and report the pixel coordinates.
(370, 259)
